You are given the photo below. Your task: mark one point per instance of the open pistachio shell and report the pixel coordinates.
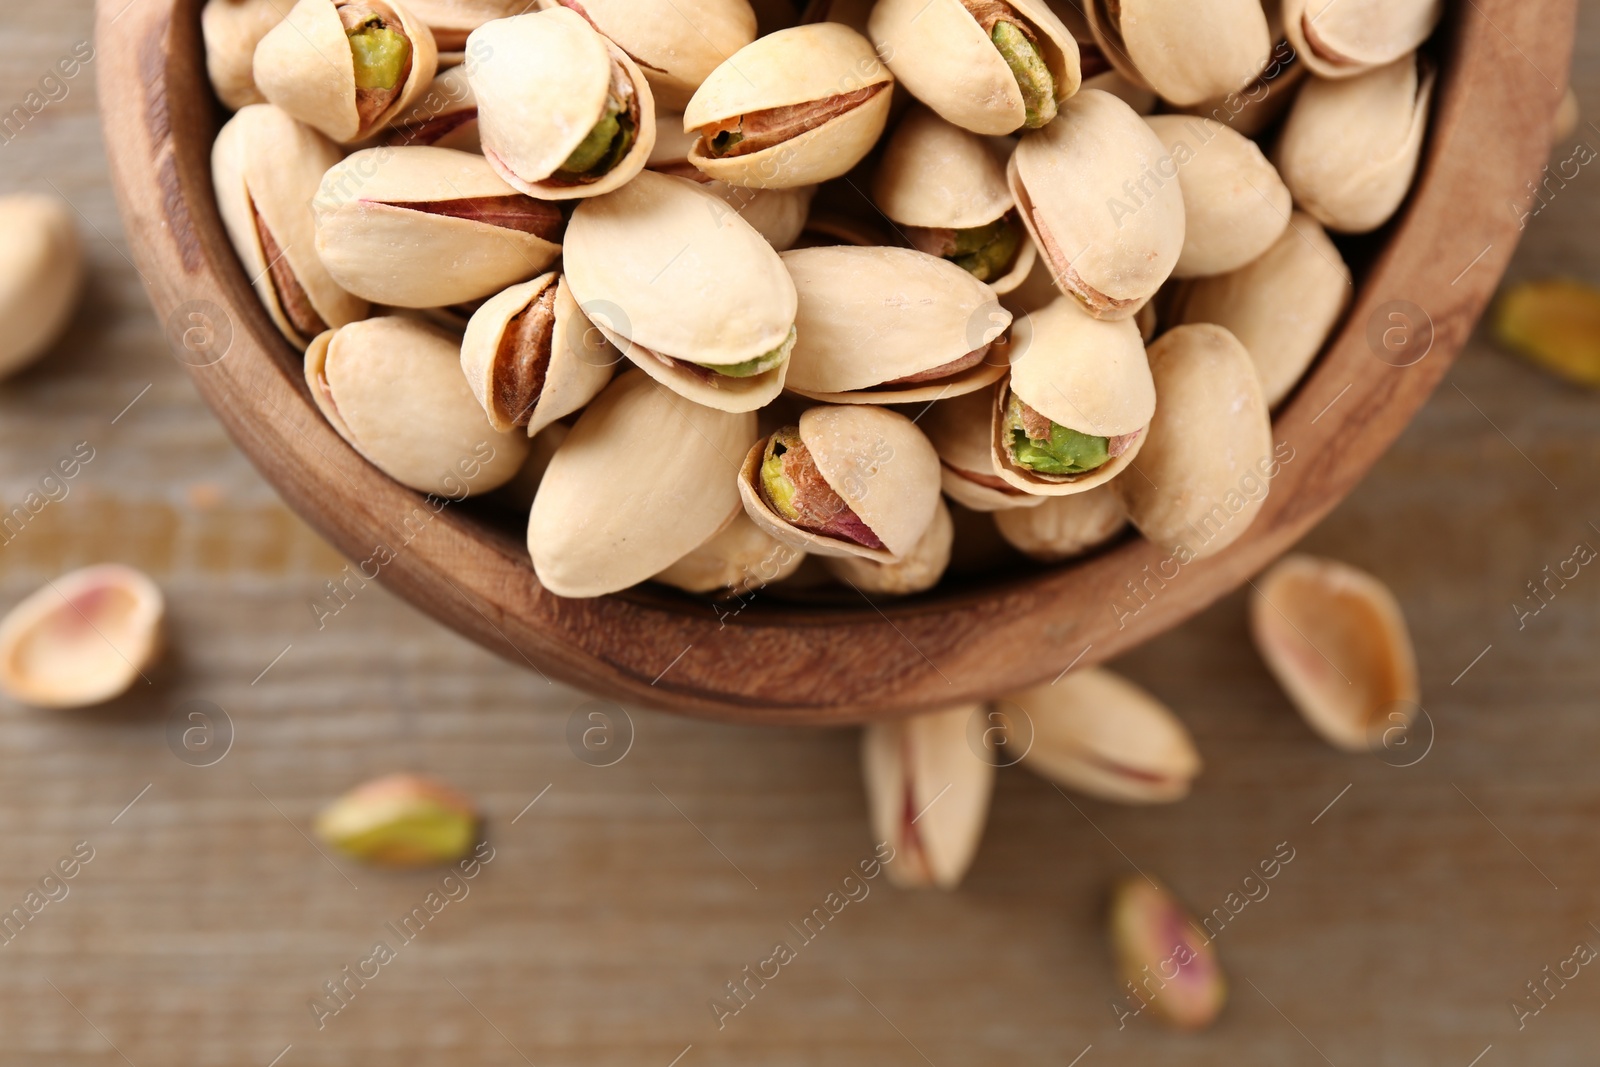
(865, 477)
(1100, 197)
(83, 639)
(1335, 639)
(231, 30)
(563, 113)
(779, 215)
(1063, 526)
(944, 52)
(41, 276)
(392, 387)
(686, 289)
(1343, 38)
(389, 218)
(644, 479)
(307, 65)
(959, 429)
(1203, 474)
(891, 325)
(1281, 306)
(739, 559)
(1350, 147)
(918, 572)
(1234, 204)
(1186, 50)
(792, 108)
(927, 794)
(266, 168)
(445, 115)
(452, 21)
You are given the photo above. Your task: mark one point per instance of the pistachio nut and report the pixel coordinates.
(563, 113)
(1096, 69)
(795, 107)
(1281, 306)
(389, 218)
(927, 796)
(845, 481)
(644, 479)
(444, 116)
(1234, 204)
(83, 639)
(945, 190)
(392, 387)
(401, 820)
(779, 215)
(989, 66)
(1186, 50)
(266, 168)
(918, 572)
(959, 429)
(686, 289)
(739, 559)
(41, 276)
(1077, 407)
(891, 325)
(1335, 639)
(346, 67)
(1064, 527)
(1350, 147)
(1100, 197)
(1255, 109)
(1203, 474)
(452, 21)
(1164, 957)
(1554, 323)
(1343, 38)
(231, 30)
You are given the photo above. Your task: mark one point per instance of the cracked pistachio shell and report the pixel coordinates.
(577, 361)
(452, 21)
(1350, 147)
(1202, 475)
(879, 464)
(870, 317)
(779, 215)
(1098, 733)
(83, 639)
(1234, 204)
(304, 65)
(542, 84)
(927, 795)
(940, 53)
(959, 429)
(918, 572)
(232, 29)
(264, 163)
(1063, 527)
(644, 479)
(392, 387)
(1100, 197)
(1335, 639)
(1186, 50)
(1152, 932)
(41, 276)
(445, 115)
(1343, 38)
(1282, 306)
(739, 559)
(664, 269)
(802, 65)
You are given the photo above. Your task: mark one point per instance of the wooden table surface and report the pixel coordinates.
(1419, 903)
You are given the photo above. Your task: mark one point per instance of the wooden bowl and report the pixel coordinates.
(1429, 275)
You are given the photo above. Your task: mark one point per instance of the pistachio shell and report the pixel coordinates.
(41, 276)
(1257, 108)
(1096, 69)
(452, 21)
(1064, 526)
(265, 164)
(1186, 50)
(1203, 473)
(392, 387)
(1152, 934)
(918, 572)
(1100, 197)
(869, 317)
(1335, 639)
(1350, 147)
(644, 479)
(1343, 38)
(445, 115)
(779, 215)
(740, 559)
(231, 30)
(959, 429)
(937, 49)
(1282, 306)
(402, 820)
(927, 794)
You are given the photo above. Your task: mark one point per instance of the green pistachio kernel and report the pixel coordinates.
(605, 144)
(723, 143)
(380, 54)
(759, 365)
(780, 490)
(1065, 452)
(1032, 74)
(986, 251)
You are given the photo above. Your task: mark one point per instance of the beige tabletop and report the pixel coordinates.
(1419, 902)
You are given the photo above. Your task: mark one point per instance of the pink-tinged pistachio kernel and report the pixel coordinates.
(797, 491)
(402, 820)
(1164, 960)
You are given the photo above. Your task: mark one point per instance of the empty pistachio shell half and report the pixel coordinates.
(402, 820)
(1063, 526)
(562, 112)
(1202, 476)
(1234, 204)
(988, 66)
(927, 795)
(41, 276)
(1554, 323)
(795, 107)
(1335, 639)
(231, 30)
(392, 387)
(918, 572)
(846, 481)
(1164, 957)
(1343, 38)
(346, 67)
(1350, 147)
(83, 639)
(445, 115)
(1186, 50)
(740, 559)
(891, 325)
(960, 432)
(1281, 306)
(266, 168)
(779, 215)
(1100, 197)
(685, 289)
(452, 21)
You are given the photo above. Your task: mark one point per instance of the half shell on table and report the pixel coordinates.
(960, 429)
(1063, 527)
(1186, 50)
(739, 559)
(918, 572)
(779, 215)
(1343, 38)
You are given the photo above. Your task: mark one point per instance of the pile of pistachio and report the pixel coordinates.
(771, 285)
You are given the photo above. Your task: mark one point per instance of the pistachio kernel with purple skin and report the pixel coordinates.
(1153, 934)
(793, 487)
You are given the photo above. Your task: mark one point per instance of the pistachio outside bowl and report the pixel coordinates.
(1426, 280)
